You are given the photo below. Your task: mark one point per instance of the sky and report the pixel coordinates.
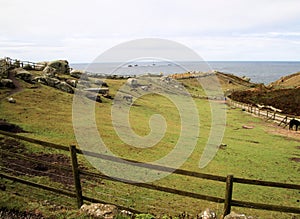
(218, 30)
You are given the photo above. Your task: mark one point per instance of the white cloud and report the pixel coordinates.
(79, 30)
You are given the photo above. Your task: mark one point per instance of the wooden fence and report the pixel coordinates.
(229, 181)
(8, 63)
(268, 114)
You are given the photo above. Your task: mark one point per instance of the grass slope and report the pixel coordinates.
(46, 114)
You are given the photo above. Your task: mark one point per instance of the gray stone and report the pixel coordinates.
(11, 100)
(79, 74)
(61, 66)
(7, 83)
(101, 83)
(63, 86)
(40, 79)
(207, 214)
(23, 75)
(40, 66)
(71, 82)
(50, 71)
(52, 82)
(102, 211)
(234, 215)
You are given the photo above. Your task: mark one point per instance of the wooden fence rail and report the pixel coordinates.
(229, 181)
(269, 114)
(18, 63)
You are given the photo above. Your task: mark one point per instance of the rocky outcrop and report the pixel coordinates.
(79, 74)
(23, 75)
(234, 215)
(63, 86)
(3, 68)
(7, 83)
(103, 211)
(56, 83)
(40, 66)
(54, 68)
(101, 83)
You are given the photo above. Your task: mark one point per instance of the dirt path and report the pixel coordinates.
(273, 128)
(18, 88)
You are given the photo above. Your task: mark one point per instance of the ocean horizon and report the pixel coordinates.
(258, 71)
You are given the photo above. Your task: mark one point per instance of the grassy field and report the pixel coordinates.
(46, 114)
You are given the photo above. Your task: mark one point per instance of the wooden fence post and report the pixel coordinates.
(228, 195)
(76, 176)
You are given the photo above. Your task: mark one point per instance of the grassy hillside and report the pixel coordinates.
(289, 81)
(46, 113)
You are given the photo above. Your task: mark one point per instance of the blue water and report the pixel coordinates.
(259, 72)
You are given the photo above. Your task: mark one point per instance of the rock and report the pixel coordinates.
(28, 67)
(126, 214)
(63, 86)
(40, 66)
(101, 83)
(94, 97)
(11, 100)
(3, 68)
(207, 214)
(234, 215)
(52, 82)
(7, 83)
(40, 79)
(61, 66)
(102, 211)
(71, 82)
(79, 74)
(50, 71)
(132, 82)
(23, 75)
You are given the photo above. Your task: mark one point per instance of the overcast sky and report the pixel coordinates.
(79, 31)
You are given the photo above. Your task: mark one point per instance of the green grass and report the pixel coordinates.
(46, 114)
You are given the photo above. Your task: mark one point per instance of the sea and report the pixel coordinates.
(258, 71)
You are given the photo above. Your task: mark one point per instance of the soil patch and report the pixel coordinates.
(279, 130)
(19, 167)
(9, 127)
(296, 159)
(16, 214)
(43, 164)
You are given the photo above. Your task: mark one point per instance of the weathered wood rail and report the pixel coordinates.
(229, 181)
(8, 63)
(268, 114)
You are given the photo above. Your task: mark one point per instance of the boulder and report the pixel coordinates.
(132, 82)
(79, 74)
(61, 66)
(50, 71)
(28, 67)
(40, 79)
(40, 66)
(101, 83)
(94, 97)
(7, 83)
(71, 82)
(103, 211)
(234, 215)
(11, 100)
(63, 86)
(52, 82)
(207, 214)
(23, 75)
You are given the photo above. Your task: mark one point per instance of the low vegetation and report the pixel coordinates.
(45, 113)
